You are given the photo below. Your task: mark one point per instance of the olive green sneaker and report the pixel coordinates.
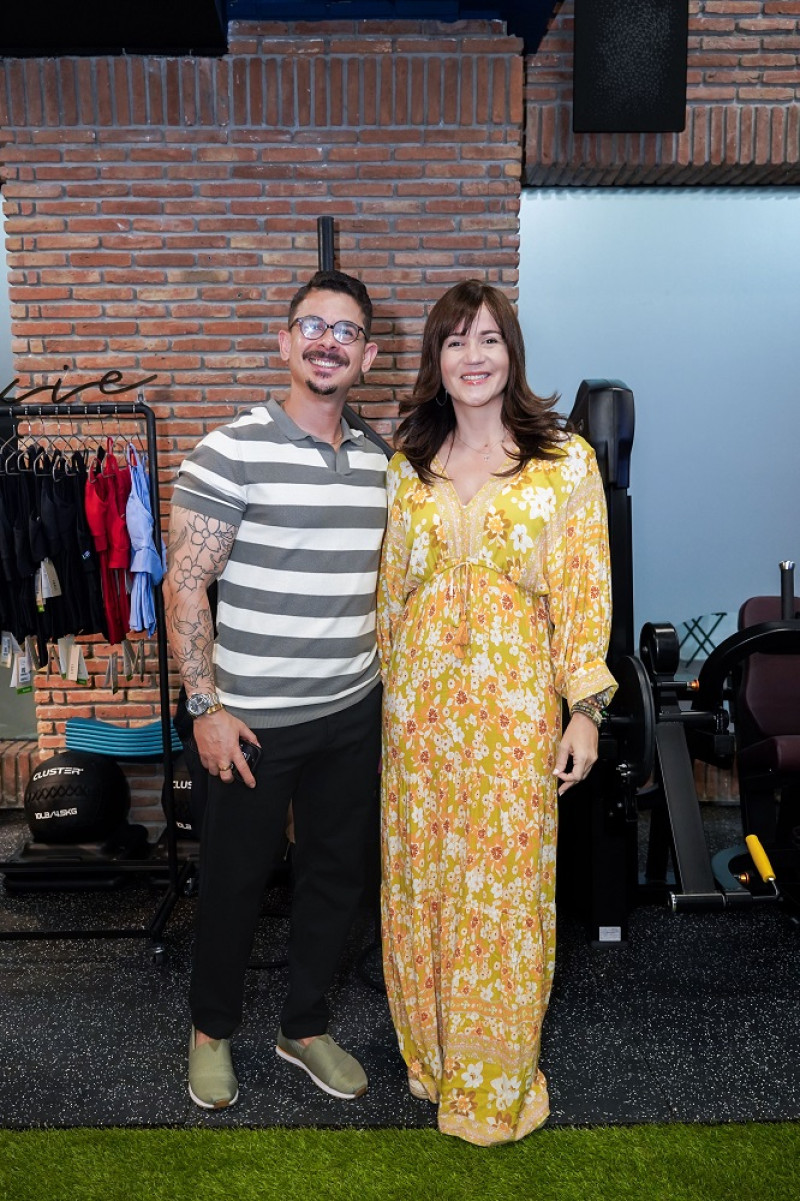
(212, 1080)
(328, 1065)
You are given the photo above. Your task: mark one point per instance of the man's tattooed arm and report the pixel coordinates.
(197, 552)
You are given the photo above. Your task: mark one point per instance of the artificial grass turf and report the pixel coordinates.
(751, 1162)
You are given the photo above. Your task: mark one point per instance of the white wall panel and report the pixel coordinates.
(692, 297)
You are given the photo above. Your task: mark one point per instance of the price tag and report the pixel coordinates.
(73, 663)
(51, 585)
(112, 673)
(32, 648)
(128, 659)
(83, 674)
(23, 673)
(6, 653)
(65, 646)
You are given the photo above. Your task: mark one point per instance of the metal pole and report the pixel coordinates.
(325, 243)
(787, 590)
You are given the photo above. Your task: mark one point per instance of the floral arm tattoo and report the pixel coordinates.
(197, 552)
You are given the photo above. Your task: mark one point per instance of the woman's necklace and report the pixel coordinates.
(484, 452)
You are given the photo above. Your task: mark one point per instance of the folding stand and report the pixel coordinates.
(172, 873)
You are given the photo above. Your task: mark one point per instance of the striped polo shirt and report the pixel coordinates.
(296, 601)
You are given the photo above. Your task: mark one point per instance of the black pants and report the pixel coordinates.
(328, 769)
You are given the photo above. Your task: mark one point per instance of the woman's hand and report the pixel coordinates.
(580, 741)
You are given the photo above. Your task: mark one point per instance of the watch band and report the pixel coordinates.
(200, 703)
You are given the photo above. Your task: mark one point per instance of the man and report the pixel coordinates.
(285, 507)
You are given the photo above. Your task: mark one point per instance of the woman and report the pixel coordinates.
(493, 606)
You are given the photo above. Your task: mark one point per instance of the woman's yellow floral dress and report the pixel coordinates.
(488, 614)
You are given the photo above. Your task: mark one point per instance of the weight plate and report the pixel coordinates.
(659, 648)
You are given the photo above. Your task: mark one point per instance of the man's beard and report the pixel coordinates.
(326, 390)
(323, 389)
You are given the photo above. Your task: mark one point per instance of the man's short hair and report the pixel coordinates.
(336, 281)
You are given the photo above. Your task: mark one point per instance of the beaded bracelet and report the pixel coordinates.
(588, 710)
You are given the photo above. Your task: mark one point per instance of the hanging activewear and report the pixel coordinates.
(147, 566)
(105, 499)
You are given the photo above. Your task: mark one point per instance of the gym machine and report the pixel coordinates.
(692, 722)
(655, 728)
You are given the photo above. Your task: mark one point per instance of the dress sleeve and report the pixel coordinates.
(579, 579)
(394, 564)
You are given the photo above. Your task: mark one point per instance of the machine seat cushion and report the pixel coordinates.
(781, 755)
(769, 697)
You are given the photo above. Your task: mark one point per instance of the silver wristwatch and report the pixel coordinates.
(201, 703)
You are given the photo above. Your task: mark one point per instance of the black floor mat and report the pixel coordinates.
(696, 1018)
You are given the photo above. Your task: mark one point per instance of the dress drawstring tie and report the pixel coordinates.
(462, 613)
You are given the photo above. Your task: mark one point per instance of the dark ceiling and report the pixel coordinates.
(174, 27)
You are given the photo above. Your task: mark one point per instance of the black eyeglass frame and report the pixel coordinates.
(328, 325)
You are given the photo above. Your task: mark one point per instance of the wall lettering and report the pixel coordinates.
(109, 384)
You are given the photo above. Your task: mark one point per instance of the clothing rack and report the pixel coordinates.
(177, 873)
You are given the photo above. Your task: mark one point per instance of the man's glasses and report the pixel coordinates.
(343, 331)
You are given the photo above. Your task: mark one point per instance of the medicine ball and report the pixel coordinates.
(76, 797)
(182, 801)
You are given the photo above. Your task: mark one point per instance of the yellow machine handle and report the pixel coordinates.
(760, 858)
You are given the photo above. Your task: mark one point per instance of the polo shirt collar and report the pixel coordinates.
(296, 434)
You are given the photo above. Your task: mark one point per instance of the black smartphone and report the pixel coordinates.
(252, 754)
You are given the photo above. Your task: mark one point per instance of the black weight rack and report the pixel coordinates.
(169, 871)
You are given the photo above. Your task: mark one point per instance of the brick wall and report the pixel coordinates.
(160, 213)
(17, 760)
(742, 115)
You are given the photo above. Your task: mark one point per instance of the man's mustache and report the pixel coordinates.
(325, 354)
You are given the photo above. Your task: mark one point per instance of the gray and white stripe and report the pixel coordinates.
(296, 601)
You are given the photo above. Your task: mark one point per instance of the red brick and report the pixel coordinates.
(778, 137)
(793, 134)
(762, 149)
(765, 25)
(270, 99)
(303, 71)
(335, 86)
(172, 91)
(255, 85)
(370, 84)
(384, 114)
(32, 83)
(500, 87)
(187, 85)
(452, 80)
(725, 6)
(5, 110)
(155, 90)
(49, 84)
(137, 90)
(762, 95)
(284, 99)
(204, 91)
(319, 77)
(470, 74)
(220, 89)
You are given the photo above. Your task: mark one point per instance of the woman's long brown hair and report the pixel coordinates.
(428, 415)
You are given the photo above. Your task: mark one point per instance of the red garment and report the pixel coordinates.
(107, 489)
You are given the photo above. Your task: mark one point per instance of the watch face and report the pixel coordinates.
(199, 702)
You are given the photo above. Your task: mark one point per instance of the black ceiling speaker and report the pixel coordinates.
(630, 66)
